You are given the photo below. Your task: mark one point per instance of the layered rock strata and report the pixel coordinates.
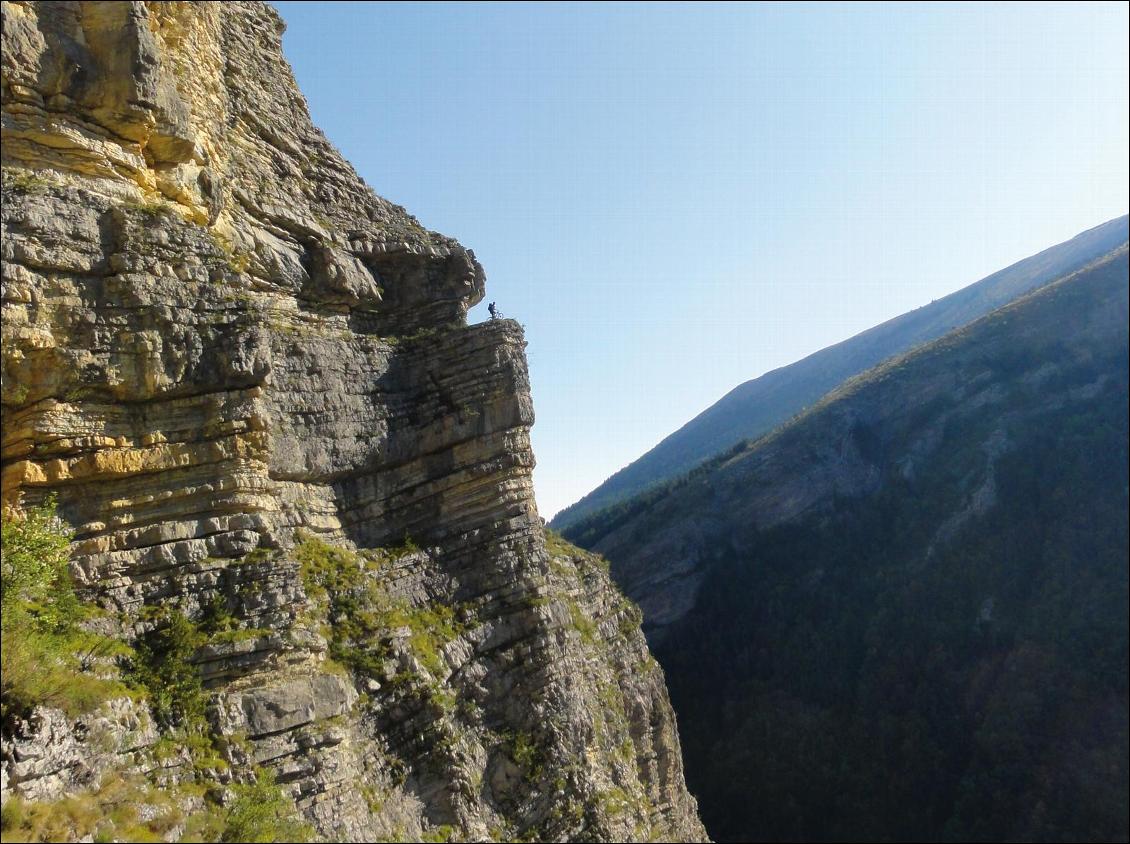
(230, 361)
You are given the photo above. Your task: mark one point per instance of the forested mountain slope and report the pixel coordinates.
(757, 406)
(903, 615)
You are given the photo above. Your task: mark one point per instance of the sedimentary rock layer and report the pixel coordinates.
(222, 352)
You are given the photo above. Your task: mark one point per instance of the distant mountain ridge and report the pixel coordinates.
(757, 406)
(903, 614)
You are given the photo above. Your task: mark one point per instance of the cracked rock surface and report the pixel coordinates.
(220, 348)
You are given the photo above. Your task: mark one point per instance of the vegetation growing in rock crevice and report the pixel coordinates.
(128, 807)
(22, 180)
(260, 811)
(47, 656)
(121, 808)
(363, 616)
(163, 667)
(49, 659)
(528, 755)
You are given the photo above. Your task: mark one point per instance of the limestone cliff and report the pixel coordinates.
(250, 385)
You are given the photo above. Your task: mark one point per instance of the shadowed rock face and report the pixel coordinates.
(903, 615)
(216, 338)
(664, 544)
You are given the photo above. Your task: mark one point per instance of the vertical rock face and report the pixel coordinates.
(238, 369)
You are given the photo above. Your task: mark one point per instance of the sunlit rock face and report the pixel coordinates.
(219, 345)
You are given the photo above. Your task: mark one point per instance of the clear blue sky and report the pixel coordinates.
(675, 199)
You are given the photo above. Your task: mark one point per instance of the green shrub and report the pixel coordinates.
(217, 618)
(45, 653)
(35, 586)
(407, 546)
(526, 753)
(262, 812)
(162, 666)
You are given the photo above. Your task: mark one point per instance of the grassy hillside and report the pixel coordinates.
(757, 406)
(908, 608)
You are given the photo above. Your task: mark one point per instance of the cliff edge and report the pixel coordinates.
(249, 384)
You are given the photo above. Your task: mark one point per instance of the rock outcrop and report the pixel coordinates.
(250, 385)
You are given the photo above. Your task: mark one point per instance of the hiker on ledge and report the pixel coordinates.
(495, 313)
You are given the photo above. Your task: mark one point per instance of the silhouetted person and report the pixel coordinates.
(493, 311)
